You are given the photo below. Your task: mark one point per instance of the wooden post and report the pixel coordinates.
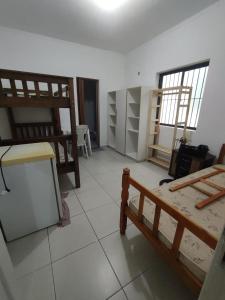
(12, 122)
(124, 196)
(221, 155)
(73, 133)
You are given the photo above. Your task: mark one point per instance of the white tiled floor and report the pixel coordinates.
(89, 259)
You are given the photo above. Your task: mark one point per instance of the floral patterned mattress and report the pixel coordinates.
(194, 253)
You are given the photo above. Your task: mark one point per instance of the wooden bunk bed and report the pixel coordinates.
(31, 90)
(183, 235)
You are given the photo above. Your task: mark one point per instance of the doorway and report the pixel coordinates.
(88, 107)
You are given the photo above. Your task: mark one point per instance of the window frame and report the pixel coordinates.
(181, 70)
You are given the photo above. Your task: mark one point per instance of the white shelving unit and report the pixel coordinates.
(128, 121)
(137, 121)
(117, 120)
(112, 119)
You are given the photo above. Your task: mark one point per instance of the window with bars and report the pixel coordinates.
(194, 76)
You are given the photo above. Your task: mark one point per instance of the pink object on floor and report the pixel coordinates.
(65, 220)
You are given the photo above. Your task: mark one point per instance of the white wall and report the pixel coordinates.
(35, 53)
(196, 39)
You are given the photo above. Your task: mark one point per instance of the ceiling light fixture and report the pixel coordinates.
(109, 5)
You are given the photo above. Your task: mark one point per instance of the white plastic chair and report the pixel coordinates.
(88, 139)
(81, 138)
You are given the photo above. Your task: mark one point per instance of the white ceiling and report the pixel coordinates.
(82, 21)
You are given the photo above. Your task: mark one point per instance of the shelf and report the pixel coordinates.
(133, 130)
(111, 125)
(161, 148)
(111, 103)
(134, 117)
(159, 162)
(112, 114)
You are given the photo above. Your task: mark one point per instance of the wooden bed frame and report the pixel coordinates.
(170, 255)
(47, 91)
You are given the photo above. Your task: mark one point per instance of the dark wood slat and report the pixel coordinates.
(65, 151)
(39, 131)
(59, 90)
(22, 133)
(50, 89)
(56, 120)
(27, 131)
(65, 168)
(37, 88)
(37, 102)
(13, 87)
(49, 130)
(12, 122)
(43, 130)
(30, 91)
(34, 124)
(73, 132)
(34, 131)
(25, 89)
(57, 152)
(1, 88)
(18, 75)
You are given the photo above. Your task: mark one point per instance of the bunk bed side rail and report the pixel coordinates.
(24, 89)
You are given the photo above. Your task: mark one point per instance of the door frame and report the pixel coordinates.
(80, 103)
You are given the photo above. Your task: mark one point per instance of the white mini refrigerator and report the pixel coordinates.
(34, 201)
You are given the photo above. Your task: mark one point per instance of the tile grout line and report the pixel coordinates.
(136, 277)
(98, 184)
(112, 233)
(111, 266)
(53, 278)
(32, 272)
(121, 290)
(104, 252)
(82, 213)
(70, 253)
(99, 239)
(102, 186)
